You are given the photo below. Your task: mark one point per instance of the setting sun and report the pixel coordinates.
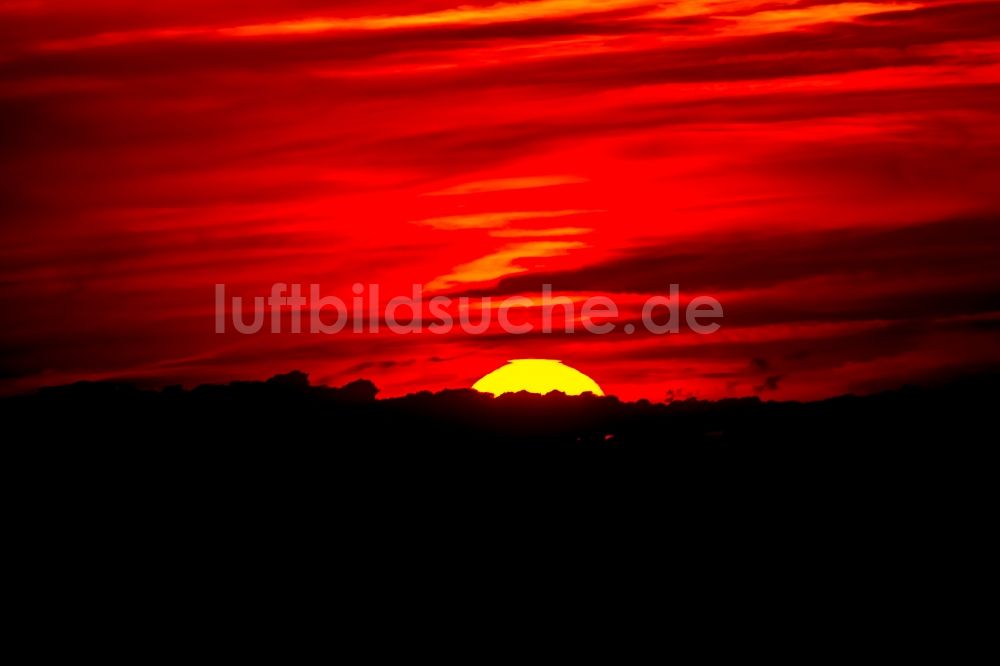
(537, 375)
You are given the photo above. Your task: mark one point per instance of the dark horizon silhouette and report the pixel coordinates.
(288, 406)
(299, 456)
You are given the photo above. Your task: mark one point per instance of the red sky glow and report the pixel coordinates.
(828, 170)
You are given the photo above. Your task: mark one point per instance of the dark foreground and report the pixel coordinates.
(116, 461)
(338, 496)
(286, 423)
(286, 411)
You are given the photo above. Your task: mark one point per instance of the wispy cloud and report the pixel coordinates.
(495, 220)
(508, 260)
(508, 184)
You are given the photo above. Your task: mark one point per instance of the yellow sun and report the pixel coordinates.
(537, 375)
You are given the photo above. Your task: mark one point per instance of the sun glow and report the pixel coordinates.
(537, 375)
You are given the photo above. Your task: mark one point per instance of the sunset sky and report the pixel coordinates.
(830, 172)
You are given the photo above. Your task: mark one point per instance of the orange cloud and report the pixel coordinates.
(502, 262)
(540, 233)
(494, 220)
(465, 15)
(780, 20)
(508, 184)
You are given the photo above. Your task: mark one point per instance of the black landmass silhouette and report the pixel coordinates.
(286, 412)
(288, 453)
